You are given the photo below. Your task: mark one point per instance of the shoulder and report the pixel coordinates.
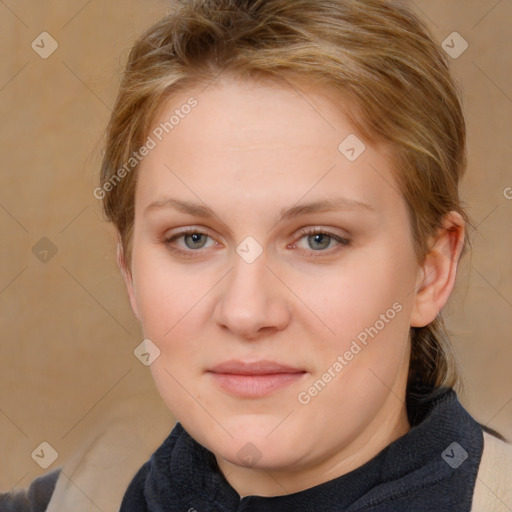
(493, 488)
(100, 471)
(35, 499)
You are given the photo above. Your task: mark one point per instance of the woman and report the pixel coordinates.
(283, 177)
(288, 238)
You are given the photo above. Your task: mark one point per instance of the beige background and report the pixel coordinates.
(67, 333)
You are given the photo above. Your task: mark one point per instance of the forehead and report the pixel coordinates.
(265, 138)
(264, 115)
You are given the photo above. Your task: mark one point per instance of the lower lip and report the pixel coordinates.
(255, 386)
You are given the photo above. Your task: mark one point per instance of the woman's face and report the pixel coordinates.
(266, 233)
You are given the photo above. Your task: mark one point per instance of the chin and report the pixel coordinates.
(252, 446)
(256, 456)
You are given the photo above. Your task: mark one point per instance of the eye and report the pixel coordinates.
(318, 240)
(189, 241)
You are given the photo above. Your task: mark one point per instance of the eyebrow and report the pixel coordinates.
(324, 205)
(197, 210)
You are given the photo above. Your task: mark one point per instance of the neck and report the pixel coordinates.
(387, 426)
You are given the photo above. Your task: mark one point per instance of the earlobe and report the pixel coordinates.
(436, 277)
(127, 277)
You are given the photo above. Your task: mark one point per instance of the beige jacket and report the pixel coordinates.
(114, 454)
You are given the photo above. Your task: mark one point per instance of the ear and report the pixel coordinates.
(127, 276)
(436, 277)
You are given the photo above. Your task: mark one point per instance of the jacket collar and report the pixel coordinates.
(434, 464)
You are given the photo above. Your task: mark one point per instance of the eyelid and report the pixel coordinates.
(313, 230)
(187, 230)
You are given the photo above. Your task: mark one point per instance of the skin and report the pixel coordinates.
(248, 151)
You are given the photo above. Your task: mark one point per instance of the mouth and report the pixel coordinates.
(254, 379)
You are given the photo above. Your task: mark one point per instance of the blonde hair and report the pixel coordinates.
(375, 55)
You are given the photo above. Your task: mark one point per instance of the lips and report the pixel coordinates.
(254, 379)
(262, 367)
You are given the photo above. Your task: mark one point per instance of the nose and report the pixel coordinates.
(252, 302)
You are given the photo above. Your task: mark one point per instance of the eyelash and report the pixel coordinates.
(343, 242)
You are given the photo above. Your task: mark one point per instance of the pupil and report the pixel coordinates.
(321, 239)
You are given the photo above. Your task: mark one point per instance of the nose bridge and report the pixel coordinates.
(248, 284)
(251, 299)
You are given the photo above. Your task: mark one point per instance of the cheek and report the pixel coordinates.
(367, 307)
(355, 296)
(172, 315)
(368, 311)
(167, 294)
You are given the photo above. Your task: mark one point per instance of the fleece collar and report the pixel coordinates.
(432, 467)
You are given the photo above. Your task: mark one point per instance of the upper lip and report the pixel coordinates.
(261, 367)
